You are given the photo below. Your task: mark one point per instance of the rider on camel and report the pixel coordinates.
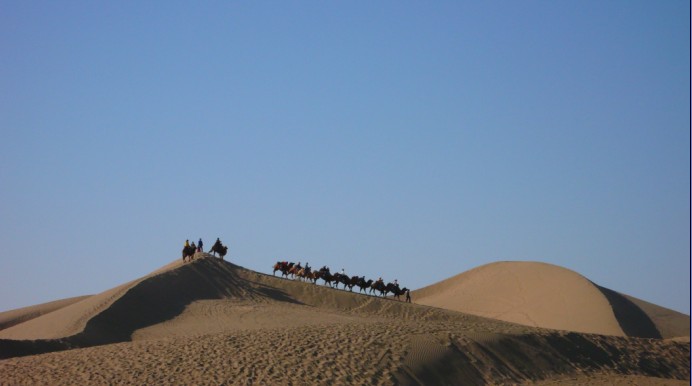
(217, 244)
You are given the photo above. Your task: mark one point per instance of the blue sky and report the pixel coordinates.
(407, 140)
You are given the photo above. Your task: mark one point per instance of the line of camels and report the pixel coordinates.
(334, 279)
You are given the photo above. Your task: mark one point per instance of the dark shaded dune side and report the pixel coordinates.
(632, 319)
(156, 300)
(670, 323)
(19, 348)
(512, 359)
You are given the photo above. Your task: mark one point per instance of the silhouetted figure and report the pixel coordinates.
(219, 248)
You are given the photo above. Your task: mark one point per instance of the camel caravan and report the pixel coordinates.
(306, 273)
(333, 280)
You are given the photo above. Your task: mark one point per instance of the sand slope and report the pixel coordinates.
(671, 324)
(21, 315)
(548, 296)
(212, 322)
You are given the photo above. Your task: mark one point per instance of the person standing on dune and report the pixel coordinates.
(199, 245)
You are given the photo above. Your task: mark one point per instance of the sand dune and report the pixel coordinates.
(548, 296)
(212, 322)
(71, 317)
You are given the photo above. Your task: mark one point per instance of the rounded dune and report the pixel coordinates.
(529, 293)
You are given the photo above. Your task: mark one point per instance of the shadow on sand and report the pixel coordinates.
(633, 321)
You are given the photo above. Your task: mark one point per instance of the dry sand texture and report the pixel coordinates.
(211, 322)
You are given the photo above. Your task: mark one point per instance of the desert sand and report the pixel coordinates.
(213, 322)
(545, 295)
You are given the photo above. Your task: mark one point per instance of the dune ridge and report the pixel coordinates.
(210, 321)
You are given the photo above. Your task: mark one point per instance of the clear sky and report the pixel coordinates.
(408, 140)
